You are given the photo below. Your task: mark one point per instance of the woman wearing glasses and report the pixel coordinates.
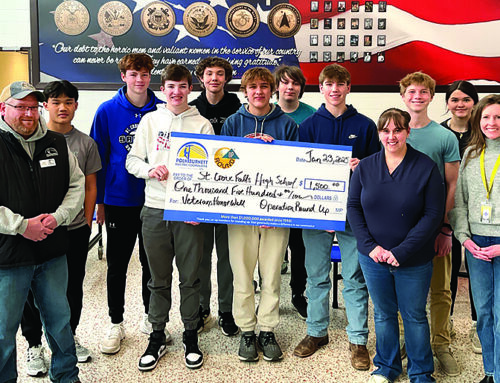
(476, 222)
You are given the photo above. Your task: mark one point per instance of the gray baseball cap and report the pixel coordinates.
(19, 90)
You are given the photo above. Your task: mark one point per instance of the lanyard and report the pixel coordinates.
(493, 174)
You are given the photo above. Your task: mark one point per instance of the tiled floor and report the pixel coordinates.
(330, 364)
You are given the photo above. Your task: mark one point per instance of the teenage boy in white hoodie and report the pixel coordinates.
(163, 239)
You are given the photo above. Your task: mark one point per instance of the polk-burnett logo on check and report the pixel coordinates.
(225, 158)
(192, 155)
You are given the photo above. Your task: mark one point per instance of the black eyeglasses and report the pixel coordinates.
(24, 109)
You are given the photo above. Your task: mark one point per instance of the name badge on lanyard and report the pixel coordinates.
(486, 208)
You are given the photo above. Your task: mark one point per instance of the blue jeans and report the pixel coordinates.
(318, 245)
(48, 283)
(406, 289)
(485, 283)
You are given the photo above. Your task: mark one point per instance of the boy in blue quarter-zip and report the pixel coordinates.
(251, 244)
(337, 123)
(120, 196)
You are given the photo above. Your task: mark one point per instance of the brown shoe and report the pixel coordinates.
(360, 358)
(309, 345)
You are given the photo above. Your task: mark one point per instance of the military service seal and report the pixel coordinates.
(284, 20)
(200, 19)
(71, 17)
(242, 20)
(158, 18)
(115, 18)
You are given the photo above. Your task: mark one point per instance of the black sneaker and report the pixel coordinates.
(227, 325)
(270, 348)
(204, 319)
(299, 302)
(157, 347)
(192, 354)
(248, 347)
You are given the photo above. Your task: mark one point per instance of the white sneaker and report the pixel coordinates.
(82, 353)
(146, 326)
(111, 344)
(377, 378)
(36, 362)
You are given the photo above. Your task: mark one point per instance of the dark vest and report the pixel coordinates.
(32, 187)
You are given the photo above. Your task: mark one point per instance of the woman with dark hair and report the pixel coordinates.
(395, 207)
(461, 96)
(476, 221)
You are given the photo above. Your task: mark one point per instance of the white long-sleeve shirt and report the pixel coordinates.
(151, 146)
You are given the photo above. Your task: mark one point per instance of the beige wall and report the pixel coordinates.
(13, 67)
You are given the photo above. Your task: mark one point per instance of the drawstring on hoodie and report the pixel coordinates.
(261, 126)
(263, 120)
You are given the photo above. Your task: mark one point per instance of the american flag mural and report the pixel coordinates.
(377, 41)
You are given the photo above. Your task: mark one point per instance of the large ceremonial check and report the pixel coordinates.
(247, 181)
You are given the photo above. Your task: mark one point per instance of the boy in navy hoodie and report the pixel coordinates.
(120, 196)
(216, 104)
(251, 244)
(337, 123)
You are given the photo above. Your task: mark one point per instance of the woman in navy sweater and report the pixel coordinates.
(395, 208)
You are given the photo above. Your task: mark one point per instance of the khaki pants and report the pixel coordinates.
(247, 245)
(440, 301)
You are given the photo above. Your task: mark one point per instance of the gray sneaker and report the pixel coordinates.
(35, 364)
(248, 347)
(270, 348)
(82, 353)
(474, 338)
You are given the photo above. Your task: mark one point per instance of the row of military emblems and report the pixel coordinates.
(158, 19)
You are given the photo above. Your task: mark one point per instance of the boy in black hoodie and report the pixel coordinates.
(216, 104)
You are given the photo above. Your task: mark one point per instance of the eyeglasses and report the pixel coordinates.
(24, 109)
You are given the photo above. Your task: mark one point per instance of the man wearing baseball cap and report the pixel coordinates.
(42, 191)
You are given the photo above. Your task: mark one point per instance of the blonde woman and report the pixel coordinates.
(476, 222)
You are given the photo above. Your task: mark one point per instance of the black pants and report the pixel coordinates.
(217, 233)
(298, 274)
(123, 226)
(31, 324)
(456, 263)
